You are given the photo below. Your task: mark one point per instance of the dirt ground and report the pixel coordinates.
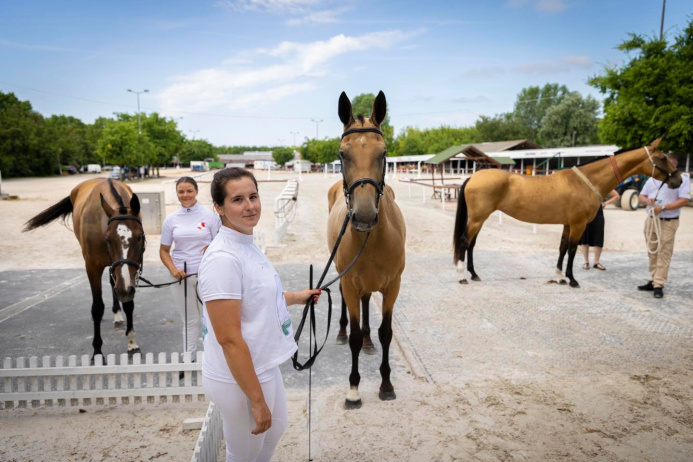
(612, 417)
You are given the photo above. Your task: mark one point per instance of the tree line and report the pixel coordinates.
(649, 95)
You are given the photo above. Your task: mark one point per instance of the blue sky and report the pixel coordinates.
(252, 72)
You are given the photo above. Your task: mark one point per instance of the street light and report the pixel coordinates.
(193, 132)
(139, 122)
(294, 133)
(316, 127)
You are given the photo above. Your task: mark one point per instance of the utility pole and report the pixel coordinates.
(661, 27)
(139, 122)
(294, 133)
(316, 127)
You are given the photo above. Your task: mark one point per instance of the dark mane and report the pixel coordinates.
(361, 119)
(626, 150)
(121, 206)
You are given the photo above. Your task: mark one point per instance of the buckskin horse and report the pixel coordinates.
(111, 236)
(363, 195)
(570, 197)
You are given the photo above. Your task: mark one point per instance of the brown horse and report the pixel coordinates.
(567, 197)
(111, 236)
(371, 205)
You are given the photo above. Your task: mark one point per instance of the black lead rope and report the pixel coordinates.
(310, 304)
(165, 284)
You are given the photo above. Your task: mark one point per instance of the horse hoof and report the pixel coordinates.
(342, 339)
(476, 278)
(117, 325)
(368, 349)
(563, 282)
(574, 284)
(387, 395)
(463, 281)
(133, 352)
(349, 405)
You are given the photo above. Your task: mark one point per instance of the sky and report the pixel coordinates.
(270, 72)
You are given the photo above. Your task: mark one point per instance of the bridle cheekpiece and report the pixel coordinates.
(379, 187)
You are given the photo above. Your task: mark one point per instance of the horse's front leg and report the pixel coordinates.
(562, 250)
(342, 335)
(129, 308)
(387, 391)
(368, 347)
(117, 314)
(353, 398)
(573, 240)
(97, 308)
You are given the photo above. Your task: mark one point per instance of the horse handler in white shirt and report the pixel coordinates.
(246, 329)
(663, 211)
(190, 229)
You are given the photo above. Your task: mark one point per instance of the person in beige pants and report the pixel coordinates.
(665, 204)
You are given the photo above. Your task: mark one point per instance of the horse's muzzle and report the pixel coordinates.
(126, 295)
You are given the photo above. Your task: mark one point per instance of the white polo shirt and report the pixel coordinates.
(189, 229)
(234, 268)
(666, 195)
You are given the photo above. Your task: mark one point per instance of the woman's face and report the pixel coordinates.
(187, 194)
(241, 208)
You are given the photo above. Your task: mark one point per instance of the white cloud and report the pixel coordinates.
(547, 6)
(561, 65)
(317, 17)
(297, 69)
(268, 6)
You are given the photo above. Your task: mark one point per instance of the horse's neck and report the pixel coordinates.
(602, 175)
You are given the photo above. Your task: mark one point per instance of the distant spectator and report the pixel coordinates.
(594, 235)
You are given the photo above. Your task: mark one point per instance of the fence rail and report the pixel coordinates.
(211, 437)
(127, 381)
(285, 209)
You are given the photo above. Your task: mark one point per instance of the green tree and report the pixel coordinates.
(413, 141)
(165, 137)
(196, 150)
(651, 95)
(282, 155)
(532, 105)
(363, 104)
(501, 127)
(121, 144)
(321, 151)
(20, 132)
(572, 122)
(64, 137)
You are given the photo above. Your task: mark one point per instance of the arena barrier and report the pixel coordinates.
(211, 437)
(285, 210)
(54, 383)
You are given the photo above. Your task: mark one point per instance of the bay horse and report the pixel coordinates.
(570, 197)
(111, 236)
(363, 195)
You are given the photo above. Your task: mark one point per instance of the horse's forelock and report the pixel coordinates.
(117, 197)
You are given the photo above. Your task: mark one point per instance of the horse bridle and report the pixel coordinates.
(655, 166)
(379, 187)
(128, 261)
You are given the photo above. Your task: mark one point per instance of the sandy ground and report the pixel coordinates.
(601, 417)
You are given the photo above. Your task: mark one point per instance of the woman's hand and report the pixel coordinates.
(178, 274)
(262, 416)
(302, 296)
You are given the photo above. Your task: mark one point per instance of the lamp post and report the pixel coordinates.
(316, 127)
(294, 133)
(193, 133)
(139, 122)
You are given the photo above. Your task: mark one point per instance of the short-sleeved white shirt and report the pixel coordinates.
(666, 195)
(189, 229)
(234, 268)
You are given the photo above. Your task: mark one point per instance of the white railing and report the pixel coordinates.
(211, 437)
(169, 186)
(285, 210)
(54, 383)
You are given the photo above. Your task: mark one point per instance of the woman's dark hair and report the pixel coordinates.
(186, 179)
(224, 176)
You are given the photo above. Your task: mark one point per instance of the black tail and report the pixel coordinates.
(60, 210)
(460, 236)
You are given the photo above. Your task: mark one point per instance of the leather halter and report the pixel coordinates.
(379, 187)
(128, 261)
(655, 166)
(615, 167)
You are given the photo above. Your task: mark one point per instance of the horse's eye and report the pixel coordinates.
(341, 154)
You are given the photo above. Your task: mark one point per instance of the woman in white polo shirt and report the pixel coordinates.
(189, 230)
(246, 325)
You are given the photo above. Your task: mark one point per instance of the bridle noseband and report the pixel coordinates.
(379, 187)
(127, 261)
(655, 166)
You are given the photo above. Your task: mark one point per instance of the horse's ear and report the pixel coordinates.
(345, 113)
(107, 208)
(655, 143)
(135, 204)
(379, 109)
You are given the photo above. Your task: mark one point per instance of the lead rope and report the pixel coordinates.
(653, 227)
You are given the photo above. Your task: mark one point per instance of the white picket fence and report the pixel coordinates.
(285, 209)
(211, 437)
(66, 383)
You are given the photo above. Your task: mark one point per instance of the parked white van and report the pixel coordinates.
(90, 168)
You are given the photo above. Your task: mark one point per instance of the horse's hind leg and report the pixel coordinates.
(387, 391)
(472, 232)
(117, 314)
(368, 347)
(97, 308)
(343, 322)
(563, 249)
(129, 308)
(470, 260)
